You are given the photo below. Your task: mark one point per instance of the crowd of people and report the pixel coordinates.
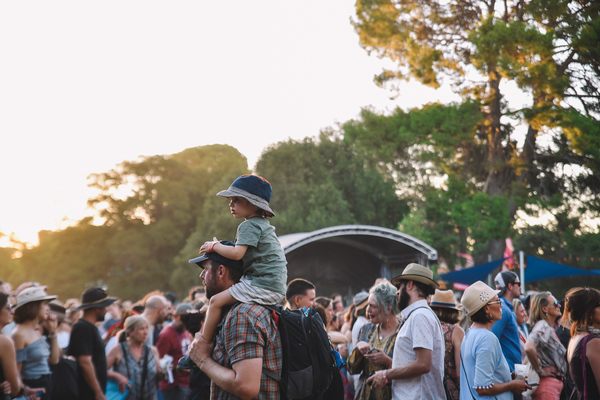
(401, 339)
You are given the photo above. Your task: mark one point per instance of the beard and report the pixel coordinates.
(404, 298)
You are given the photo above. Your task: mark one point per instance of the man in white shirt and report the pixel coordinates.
(418, 363)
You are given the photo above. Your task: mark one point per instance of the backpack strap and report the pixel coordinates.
(282, 380)
(144, 371)
(124, 352)
(583, 358)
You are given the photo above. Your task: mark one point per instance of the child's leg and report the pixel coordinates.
(214, 312)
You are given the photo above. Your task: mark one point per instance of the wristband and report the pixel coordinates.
(51, 335)
(210, 248)
(20, 394)
(385, 376)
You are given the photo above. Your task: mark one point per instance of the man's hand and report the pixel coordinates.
(200, 349)
(377, 380)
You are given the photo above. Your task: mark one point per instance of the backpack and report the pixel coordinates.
(309, 361)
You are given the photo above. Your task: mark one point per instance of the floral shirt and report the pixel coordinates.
(549, 349)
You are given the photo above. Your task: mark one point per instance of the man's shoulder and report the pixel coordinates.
(251, 311)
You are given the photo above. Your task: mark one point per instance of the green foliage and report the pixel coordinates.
(323, 182)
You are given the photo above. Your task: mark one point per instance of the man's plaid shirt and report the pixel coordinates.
(248, 331)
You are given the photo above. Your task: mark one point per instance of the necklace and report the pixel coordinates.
(383, 334)
(589, 329)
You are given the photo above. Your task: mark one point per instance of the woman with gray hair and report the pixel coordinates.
(376, 340)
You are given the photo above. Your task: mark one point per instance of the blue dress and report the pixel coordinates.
(484, 363)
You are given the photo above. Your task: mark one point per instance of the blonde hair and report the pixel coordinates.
(539, 301)
(130, 324)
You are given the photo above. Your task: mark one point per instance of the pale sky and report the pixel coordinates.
(87, 85)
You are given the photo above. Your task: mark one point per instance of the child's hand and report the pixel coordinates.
(207, 247)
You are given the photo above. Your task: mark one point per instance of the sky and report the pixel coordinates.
(85, 86)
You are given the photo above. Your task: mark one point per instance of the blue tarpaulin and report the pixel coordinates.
(468, 276)
(536, 269)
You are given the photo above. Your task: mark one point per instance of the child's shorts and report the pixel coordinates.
(245, 292)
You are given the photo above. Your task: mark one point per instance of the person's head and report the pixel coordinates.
(382, 303)
(482, 304)
(115, 309)
(218, 273)
(156, 309)
(300, 293)
(249, 195)
(582, 306)
(94, 301)
(32, 304)
(5, 310)
(415, 283)
(197, 293)
(327, 306)
(444, 306)
(181, 309)
(359, 303)
(544, 306)
(520, 312)
(136, 328)
(509, 285)
(337, 306)
(193, 320)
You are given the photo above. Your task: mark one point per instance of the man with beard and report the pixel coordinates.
(87, 346)
(418, 364)
(247, 342)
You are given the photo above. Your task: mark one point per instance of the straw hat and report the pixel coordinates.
(443, 298)
(477, 296)
(31, 294)
(418, 273)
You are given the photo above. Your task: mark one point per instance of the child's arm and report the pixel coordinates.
(215, 313)
(232, 252)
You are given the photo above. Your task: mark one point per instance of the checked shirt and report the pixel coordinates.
(248, 331)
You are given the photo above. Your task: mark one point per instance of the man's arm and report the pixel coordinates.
(242, 381)
(89, 375)
(420, 366)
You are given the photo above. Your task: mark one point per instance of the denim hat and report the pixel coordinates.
(257, 190)
(237, 264)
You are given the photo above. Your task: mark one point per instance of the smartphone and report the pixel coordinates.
(533, 383)
(373, 350)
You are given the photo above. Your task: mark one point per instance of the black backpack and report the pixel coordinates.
(308, 359)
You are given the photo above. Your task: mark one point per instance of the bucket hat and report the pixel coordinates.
(31, 294)
(418, 273)
(236, 264)
(256, 189)
(443, 298)
(95, 297)
(476, 297)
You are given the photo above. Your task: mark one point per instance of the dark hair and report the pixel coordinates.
(27, 312)
(192, 320)
(234, 273)
(446, 314)
(481, 316)
(3, 299)
(349, 316)
(322, 314)
(297, 287)
(580, 304)
(424, 289)
(323, 301)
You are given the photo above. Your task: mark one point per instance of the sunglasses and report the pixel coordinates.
(499, 302)
(556, 303)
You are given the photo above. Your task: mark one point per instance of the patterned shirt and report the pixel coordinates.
(248, 331)
(550, 350)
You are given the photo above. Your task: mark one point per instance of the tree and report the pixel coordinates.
(320, 182)
(548, 49)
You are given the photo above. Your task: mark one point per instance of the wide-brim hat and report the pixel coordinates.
(95, 297)
(31, 294)
(236, 264)
(444, 299)
(418, 273)
(257, 190)
(476, 297)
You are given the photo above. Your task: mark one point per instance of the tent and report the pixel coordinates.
(536, 269)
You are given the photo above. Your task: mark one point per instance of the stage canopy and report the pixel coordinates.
(536, 269)
(349, 258)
